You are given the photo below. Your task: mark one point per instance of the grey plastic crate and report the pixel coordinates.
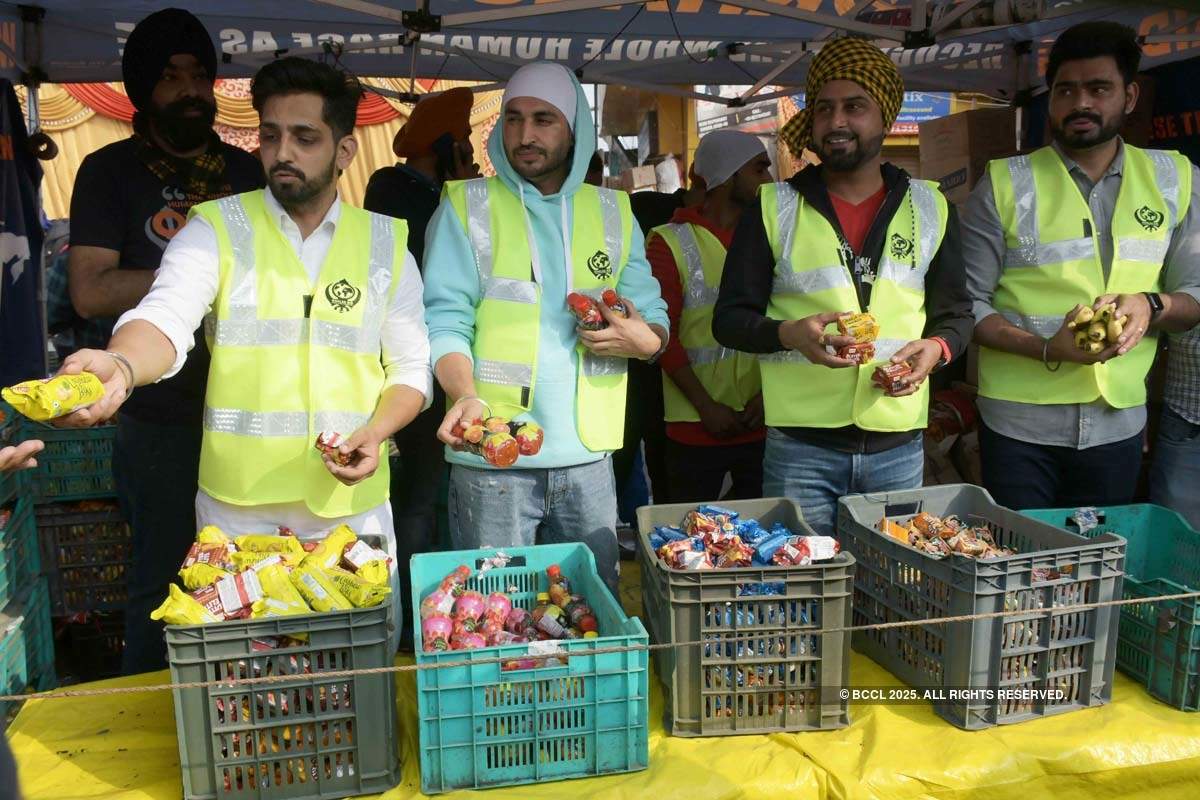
(302, 739)
(767, 665)
(1073, 651)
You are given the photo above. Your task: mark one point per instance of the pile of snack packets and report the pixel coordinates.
(499, 440)
(712, 537)
(863, 328)
(257, 576)
(943, 536)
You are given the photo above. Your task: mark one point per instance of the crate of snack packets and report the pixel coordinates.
(269, 605)
(536, 702)
(752, 582)
(1159, 642)
(951, 551)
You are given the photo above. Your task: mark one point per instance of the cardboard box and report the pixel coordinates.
(638, 179)
(955, 150)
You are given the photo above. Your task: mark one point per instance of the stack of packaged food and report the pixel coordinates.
(943, 536)
(714, 537)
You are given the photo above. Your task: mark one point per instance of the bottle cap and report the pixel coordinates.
(543, 597)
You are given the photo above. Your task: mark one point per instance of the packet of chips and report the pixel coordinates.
(357, 589)
(329, 551)
(205, 564)
(50, 398)
(367, 562)
(211, 534)
(318, 590)
(181, 608)
(197, 576)
(280, 597)
(270, 543)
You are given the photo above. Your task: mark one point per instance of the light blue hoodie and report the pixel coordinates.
(452, 292)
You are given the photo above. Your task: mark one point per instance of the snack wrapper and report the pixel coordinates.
(529, 436)
(615, 303)
(586, 312)
(328, 443)
(211, 534)
(205, 564)
(329, 551)
(50, 398)
(800, 551)
(469, 609)
(318, 590)
(860, 352)
(198, 576)
(231, 597)
(367, 562)
(357, 589)
(280, 596)
(181, 608)
(270, 543)
(861, 326)
(249, 559)
(889, 376)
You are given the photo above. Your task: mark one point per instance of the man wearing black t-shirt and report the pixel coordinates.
(129, 200)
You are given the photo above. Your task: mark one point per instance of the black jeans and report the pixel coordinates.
(156, 470)
(1023, 475)
(696, 473)
(416, 479)
(644, 423)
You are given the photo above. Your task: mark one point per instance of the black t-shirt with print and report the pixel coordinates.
(119, 204)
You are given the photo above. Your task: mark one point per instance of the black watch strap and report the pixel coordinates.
(1156, 304)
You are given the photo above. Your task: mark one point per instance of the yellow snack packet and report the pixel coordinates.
(51, 398)
(366, 562)
(357, 589)
(318, 590)
(197, 576)
(249, 559)
(211, 534)
(280, 596)
(329, 552)
(180, 608)
(269, 543)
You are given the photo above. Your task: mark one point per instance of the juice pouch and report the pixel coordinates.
(51, 398)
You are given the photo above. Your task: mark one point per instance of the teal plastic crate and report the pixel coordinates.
(19, 560)
(39, 636)
(76, 464)
(483, 726)
(1159, 643)
(12, 660)
(307, 738)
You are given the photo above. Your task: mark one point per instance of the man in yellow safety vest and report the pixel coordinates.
(851, 235)
(503, 254)
(713, 395)
(316, 325)
(1086, 221)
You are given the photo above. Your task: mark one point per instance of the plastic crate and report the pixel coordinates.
(1071, 652)
(1159, 643)
(39, 636)
(770, 667)
(311, 737)
(86, 555)
(12, 661)
(88, 645)
(483, 726)
(18, 548)
(76, 464)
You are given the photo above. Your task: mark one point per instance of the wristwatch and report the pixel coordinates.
(1156, 304)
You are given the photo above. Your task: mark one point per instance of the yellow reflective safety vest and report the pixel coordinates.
(290, 359)
(508, 314)
(1051, 262)
(811, 278)
(730, 378)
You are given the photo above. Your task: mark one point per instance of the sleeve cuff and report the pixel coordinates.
(982, 310)
(445, 345)
(421, 382)
(1191, 291)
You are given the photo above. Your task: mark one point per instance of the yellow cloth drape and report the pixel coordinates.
(78, 131)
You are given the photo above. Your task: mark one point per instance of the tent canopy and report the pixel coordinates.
(990, 46)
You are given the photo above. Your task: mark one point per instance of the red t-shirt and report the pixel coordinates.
(662, 264)
(856, 219)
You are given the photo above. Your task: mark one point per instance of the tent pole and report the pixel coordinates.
(853, 26)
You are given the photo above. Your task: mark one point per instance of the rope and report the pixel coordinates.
(350, 673)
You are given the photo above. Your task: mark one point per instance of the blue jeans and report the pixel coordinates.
(523, 507)
(1175, 473)
(815, 477)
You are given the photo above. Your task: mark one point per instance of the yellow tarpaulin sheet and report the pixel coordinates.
(124, 747)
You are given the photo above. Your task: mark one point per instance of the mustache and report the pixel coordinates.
(528, 148)
(1087, 115)
(188, 104)
(295, 173)
(840, 135)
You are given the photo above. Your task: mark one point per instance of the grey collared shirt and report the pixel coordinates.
(1088, 424)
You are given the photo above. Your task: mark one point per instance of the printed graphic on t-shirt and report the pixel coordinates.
(166, 222)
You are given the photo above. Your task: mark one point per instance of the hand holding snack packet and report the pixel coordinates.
(51, 398)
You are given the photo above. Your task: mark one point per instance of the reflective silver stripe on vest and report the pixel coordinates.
(346, 337)
(256, 423)
(379, 281)
(1025, 254)
(260, 332)
(787, 200)
(697, 293)
(243, 293)
(884, 350)
(479, 227)
(1042, 325)
(699, 356)
(505, 373)
(1151, 251)
(595, 366)
(926, 213)
(812, 280)
(1066, 250)
(511, 290)
(344, 422)
(610, 213)
(784, 357)
(1166, 175)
